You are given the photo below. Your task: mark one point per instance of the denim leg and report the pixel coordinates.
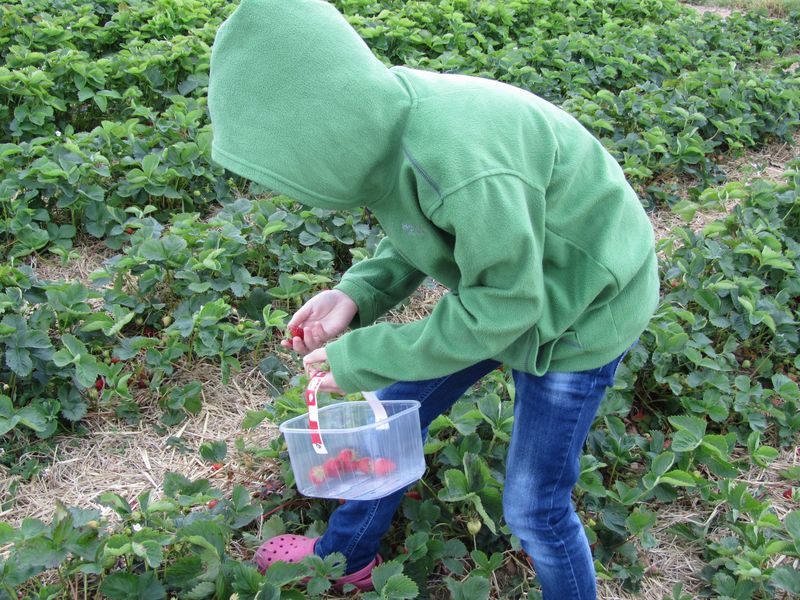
(355, 528)
(552, 418)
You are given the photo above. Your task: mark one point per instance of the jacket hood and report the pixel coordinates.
(299, 104)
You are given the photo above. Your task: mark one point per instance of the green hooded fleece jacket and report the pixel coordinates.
(499, 195)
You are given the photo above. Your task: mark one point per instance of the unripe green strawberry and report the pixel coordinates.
(474, 526)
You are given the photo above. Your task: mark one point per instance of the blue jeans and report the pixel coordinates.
(552, 417)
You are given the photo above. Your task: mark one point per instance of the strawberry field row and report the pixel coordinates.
(716, 371)
(104, 108)
(105, 133)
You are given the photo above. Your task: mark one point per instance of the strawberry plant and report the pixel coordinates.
(106, 135)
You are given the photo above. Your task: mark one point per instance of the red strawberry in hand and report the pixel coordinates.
(317, 475)
(295, 331)
(384, 466)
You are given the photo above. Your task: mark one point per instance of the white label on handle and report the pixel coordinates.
(377, 408)
(313, 413)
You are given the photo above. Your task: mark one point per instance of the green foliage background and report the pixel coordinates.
(104, 134)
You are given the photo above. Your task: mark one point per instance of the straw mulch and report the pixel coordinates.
(419, 305)
(93, 253)
(768, 162)
(678, 560)
(127, 460)
(720, 11)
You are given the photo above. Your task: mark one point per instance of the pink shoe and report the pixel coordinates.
(294, 548)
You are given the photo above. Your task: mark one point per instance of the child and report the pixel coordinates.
(497, 194)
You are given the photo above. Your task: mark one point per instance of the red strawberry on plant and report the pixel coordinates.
(317, 475)
(99, 384)
(384, 466)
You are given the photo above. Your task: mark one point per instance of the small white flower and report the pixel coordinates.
(58, 134)
(137, 527)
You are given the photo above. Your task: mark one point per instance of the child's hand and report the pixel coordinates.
(322, 318)
(311, 364)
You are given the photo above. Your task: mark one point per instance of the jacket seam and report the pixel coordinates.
(407, 85)
(412, 273)
(499, 172)
(588, 255)
(510, 172)
(418, 167)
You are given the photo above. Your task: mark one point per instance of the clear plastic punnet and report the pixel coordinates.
(355, 450)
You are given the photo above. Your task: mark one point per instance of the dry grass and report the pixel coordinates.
(419, 305)
(678, 560)
(768, 162)
(92, 255)
(724, 8)
(715, 10)
(111, 457)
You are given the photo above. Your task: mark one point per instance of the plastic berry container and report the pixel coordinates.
(355, 450)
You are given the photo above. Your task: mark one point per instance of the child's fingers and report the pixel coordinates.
(296, 344)
(313, 359)
(314, 336)
(299, 346)
(303, 313)
(329, 385)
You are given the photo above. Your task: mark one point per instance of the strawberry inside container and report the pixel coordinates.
(355, 450)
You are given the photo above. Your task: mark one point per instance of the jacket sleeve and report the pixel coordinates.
(498, 227)
(379, 283)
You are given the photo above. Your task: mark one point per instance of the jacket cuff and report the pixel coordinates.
(337, 359)
(364, 297)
